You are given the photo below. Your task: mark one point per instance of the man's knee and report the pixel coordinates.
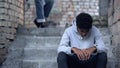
(50, 1)
(61, 57)
(102, 56)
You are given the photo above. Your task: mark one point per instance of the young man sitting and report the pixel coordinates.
(81, 45)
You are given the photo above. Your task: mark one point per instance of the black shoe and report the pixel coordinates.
(42, 25)
(36, 23)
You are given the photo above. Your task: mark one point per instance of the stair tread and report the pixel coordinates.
(41, 60)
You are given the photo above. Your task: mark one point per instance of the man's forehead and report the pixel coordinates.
(81, 29)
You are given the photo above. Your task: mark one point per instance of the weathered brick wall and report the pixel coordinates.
(63, 11)
(114, 25)
(11, 14)
(71, 8)
(29, 12)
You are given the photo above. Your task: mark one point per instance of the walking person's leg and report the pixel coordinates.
(48, 6)
(40, 18)
(101, 60)
(40, 10)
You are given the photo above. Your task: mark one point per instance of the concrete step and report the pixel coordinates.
(45, 53)
(13, 63)
(18, 43)
(37, 41)
(40, 52)
(15, 55)
(58, 31)
(39, 64)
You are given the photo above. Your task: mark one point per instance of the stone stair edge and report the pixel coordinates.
(39, 60)
(35, 36)
(42, 47)
(39, 29)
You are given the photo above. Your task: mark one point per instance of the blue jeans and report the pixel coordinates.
(43, 10)
(72, 61)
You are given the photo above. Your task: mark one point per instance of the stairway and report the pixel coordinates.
(40, 52)
(41, 48)
(37, 48)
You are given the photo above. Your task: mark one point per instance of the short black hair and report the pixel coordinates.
(84, 21)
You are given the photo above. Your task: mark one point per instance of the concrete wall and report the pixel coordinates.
(11, 14)
(103, 7)
(114, 25)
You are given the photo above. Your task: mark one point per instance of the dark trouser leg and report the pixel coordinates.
(48, 6)
(91, 62)
(39, 9)
(62, 60)
(101, 60)
(67, 61)
(72, 61)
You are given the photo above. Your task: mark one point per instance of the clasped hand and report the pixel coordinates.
(83, 54)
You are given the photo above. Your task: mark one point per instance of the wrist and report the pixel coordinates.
(73, 49)
(92, 49)
(95, 49)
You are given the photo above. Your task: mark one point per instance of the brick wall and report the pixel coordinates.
(11, 14)
(30, 12)
(114, 25)
(63, 11)
(71, 8)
